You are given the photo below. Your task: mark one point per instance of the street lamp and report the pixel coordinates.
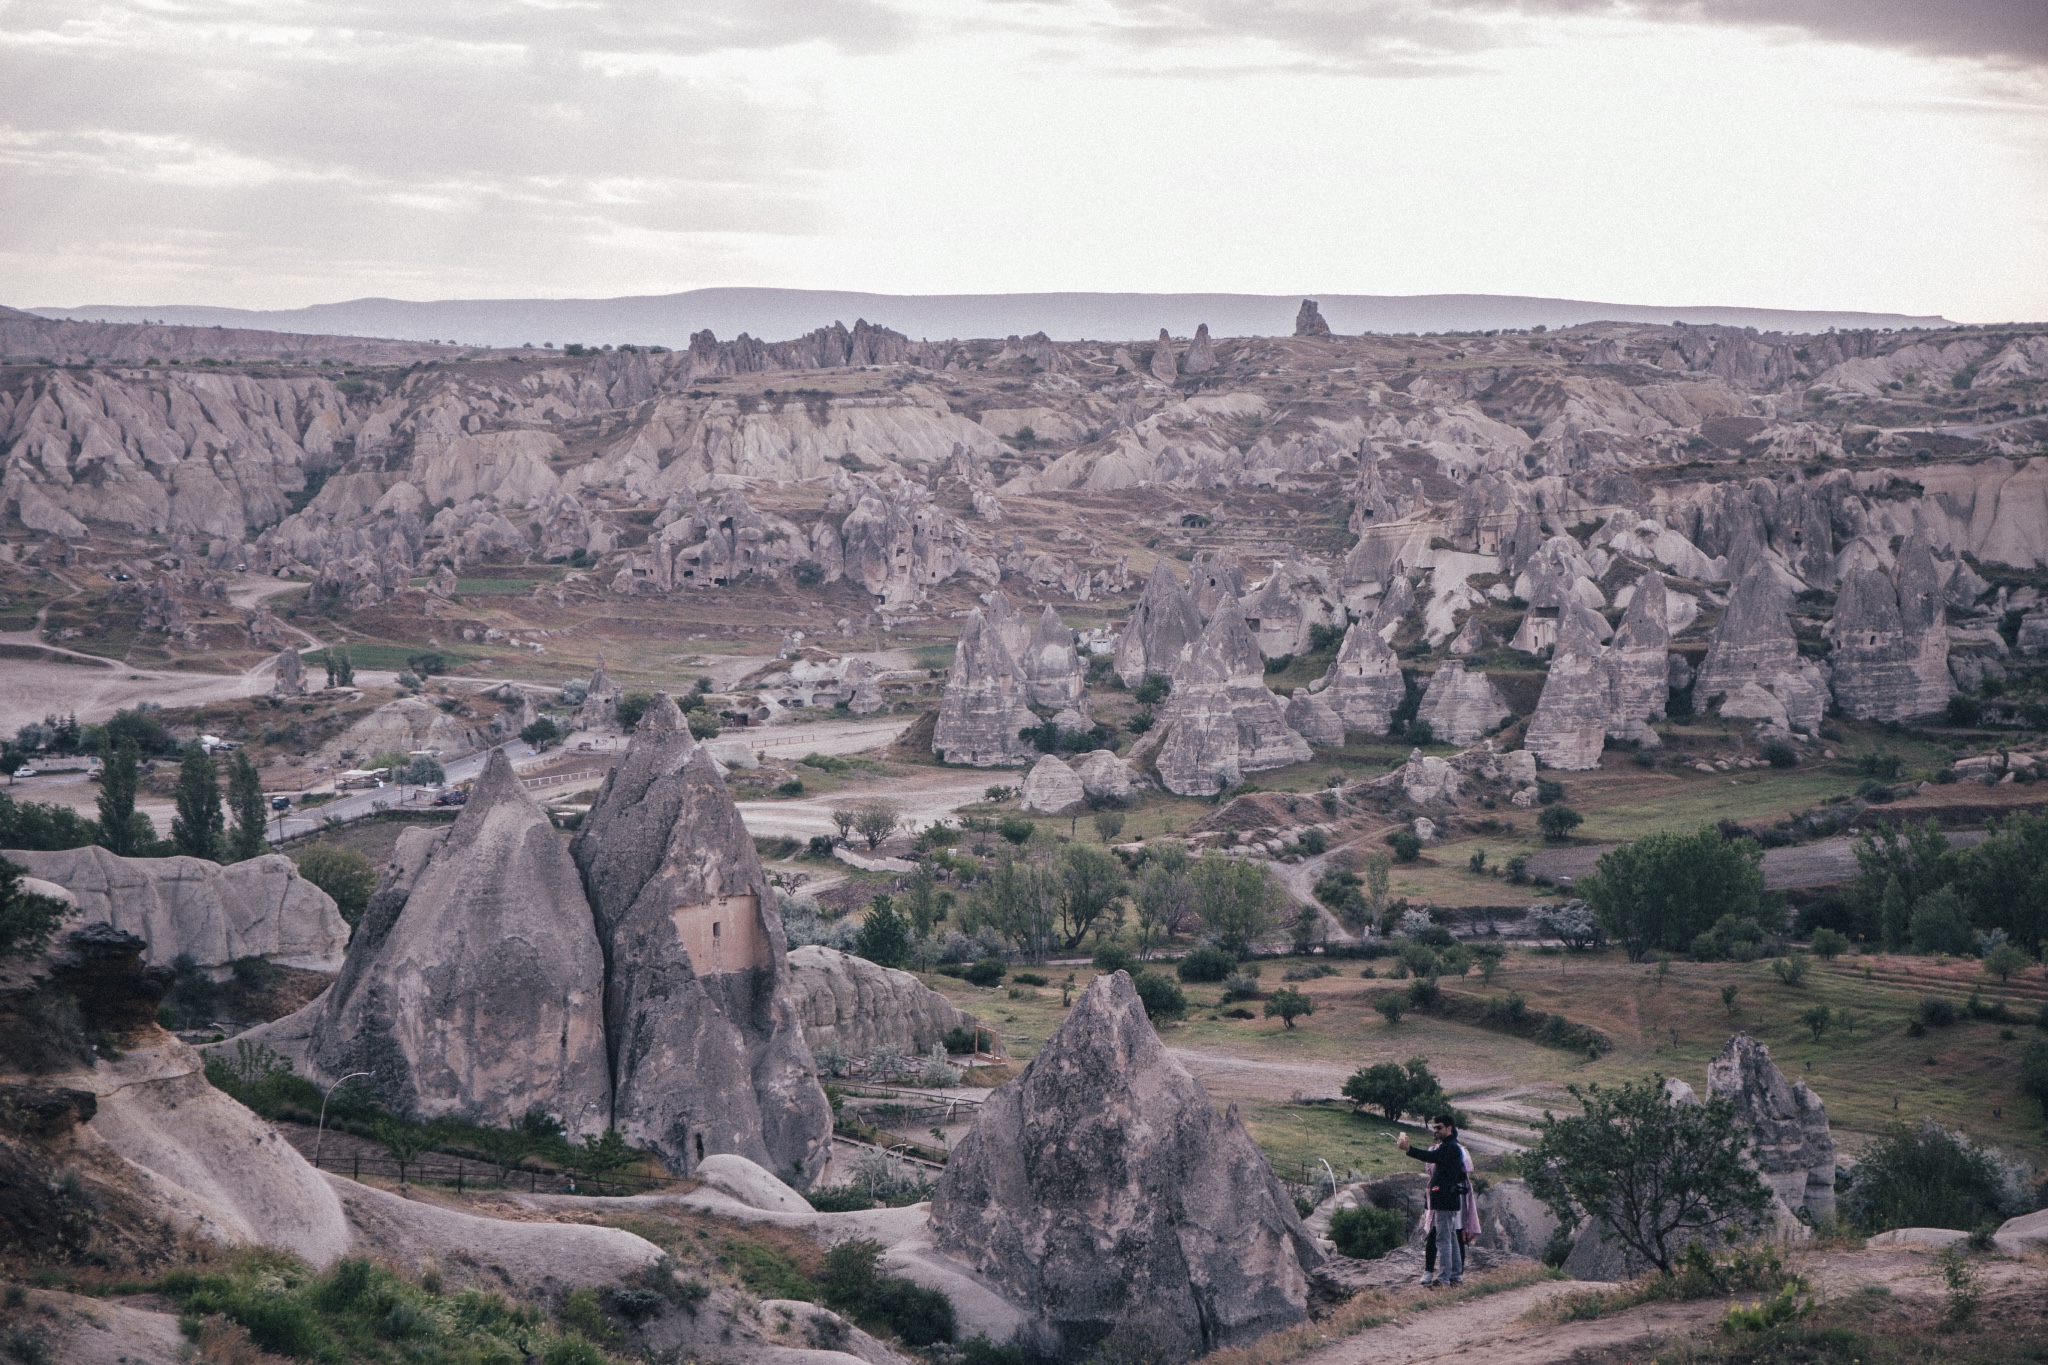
(320, 1133)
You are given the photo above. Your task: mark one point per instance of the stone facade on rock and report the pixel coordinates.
(1222, 721)
(1051, 788)
(1754, 663)
(1102, 1193)
(849, 1004)
(1891, 640)
(1159, 630)
(1297, 597)
(1787, 1125)
(190, 906)
(1365, 686)
(984, 705)
(1460, 706)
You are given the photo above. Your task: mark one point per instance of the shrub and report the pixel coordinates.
(1779, 754)
(1240, 986)
(2034, 1073)
(343, 873)
(1829, 944)
(853, 1283)
(2006, 961)
(541, 733)
(1114, 957)
(1790, 971)
(1366, 1233)
(1424, 993)
(989, 971)
(1393, 1006)
(1016, 829)
(632, 706)
(1207, 964)
(1406, 845)
(1936, 1012)
(1558, 821)
(1161, 995)
(1924, 1177)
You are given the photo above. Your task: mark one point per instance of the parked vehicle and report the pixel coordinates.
(280, 803)
(452, 798)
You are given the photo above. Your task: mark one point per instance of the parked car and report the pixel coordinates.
(451, 798)
(280, 803)
(24, 771)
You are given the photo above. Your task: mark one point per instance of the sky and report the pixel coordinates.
(1847, 154)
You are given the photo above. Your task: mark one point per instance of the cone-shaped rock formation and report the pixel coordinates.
(984, 704)
(1223, 721)
(1890, 636)
(1569, 728)
(1460, 706)
(1753, 663)
(1160, 629)
(1365, 681)
(1108, 1198)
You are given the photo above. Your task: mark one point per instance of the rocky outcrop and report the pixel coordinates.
(1163, 364)
(1159, 630)
(1787, 1125)
(1891, 640)
(1107, 779)
(706, 1047)
(1051, 788)
(984, 704)
(1201, 356)
(1103, 1193)
(1309, 716)
(1213, 576)
(191, 907)
(1430, 781)
(476, 987)
(1053, 676)
(1572, 718)
(600, 709)
(1296, 598)
(1365, 686)
(1222, 720)
(289, 678)
(849, 1005)
(1754, 664)
(407, 725)
(1308, 320)
(1639, 662)
(1460, 706)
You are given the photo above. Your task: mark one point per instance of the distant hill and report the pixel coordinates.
(669, 319)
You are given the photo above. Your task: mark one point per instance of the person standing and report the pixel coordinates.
(1447, 1186)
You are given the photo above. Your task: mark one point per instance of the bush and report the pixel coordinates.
(541, 733)
(1207, 964)
(1016, 829)
(1558, 821)
(1406, 845)
(1924, 1177)
(840, 1199)
(989, 971)
(1790, 971)
(343, 873)
(1114, 957)
(1829, 944)
(1779, 754)
(1161, 995)
(1424, 992)
(853, 1284)
(1240, 986)
(1936, 1012)
(2034, 1073)
(1366, 1233)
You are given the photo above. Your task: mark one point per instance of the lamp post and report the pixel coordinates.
(320, 1133)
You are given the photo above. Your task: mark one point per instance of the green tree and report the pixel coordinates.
(875, 821)
(1941, 924)
(341, 671)
(1161, 995)
(2034, 1073)
(198, 829)
(1657, 1175)
(403, 1141)
(921, 900)
(1665, 889)
(1091, 879)
(1923, 1177)
(245, 798)
(43, 826)
(1394, 1090)
(1557, 822)
(346, 875)
(1393, 1006)
(2005, 961)
(541, 732)
(1829, 944)
(1165, 896)
(1236, 898)
(425, 771)
(884, 937)
(600, 1156)
(1289, 1004)
(26, 920)
(119, 832)
(1895, 915)
(1818, 1018)
(1108, 825)
(1918, 855)
(1489, 956)
(2005, 880)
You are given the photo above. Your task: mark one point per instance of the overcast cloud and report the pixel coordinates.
(1799, 153)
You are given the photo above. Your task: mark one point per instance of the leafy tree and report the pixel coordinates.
(1394, 1089)
(2005, 960)
(1393, 1006)
(1289, 1004)
(1918, 855)
(26, 920)
(1829, 944)
(198, 829)
(43, 826)
(403, 1141)
(921, 900)
(1108, 824)
(1818, 1018)
(541, 732)
(1895, 915)
(119, 832)
(1728, 994)
(1657, 1175)
(1941, 924)
(842, 820)
(1161, 995)
(1207, 964)
(702, 725)
(875, 821)
(632, 706)
(1091, 880)
(341, 670)
(600, 1156)
(1489, 956)
(245, 798)
(1923, 1177)
(141, 728)
(1237, 899)
(1557, 822)
(884, 936)
(1407, 845)
(1016, 830)
(2034, 1073)
(425, 771)
(1153, 690)
(2005, 880)
(346, 875)
(1165, 896)
(1665, 889)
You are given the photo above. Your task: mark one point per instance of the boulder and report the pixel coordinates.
(1891, 641)
(850, 1005)
(475, 986)
(190, 906)
(1790, 1141)
(1107, 779)
(407, 725)
(706, 1042)
(1051, 788)
(1308, 320)
(1160, 629)
(1569, 727)
(1429, 781)
(1103, 1194)
(1224, 721)
(1460, 706)
(2026, 1233)
(1754, 664)
(1934, 1239)
(1309, 716)
(1511, 1218)
(983, 707)
(1364, 684)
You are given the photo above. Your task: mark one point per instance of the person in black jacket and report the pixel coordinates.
(1446, 1160)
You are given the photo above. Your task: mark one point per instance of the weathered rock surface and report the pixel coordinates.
(1223, 721)
(476, 986)
(600, 709)
(706, 1046)
(1365, 684)
(1310, 716)
(983, 707)
(1160, 629)
(1460, 706)
(407, 725)
(1296, 597)
(1215, 576)
(1891, 640)
(1105, 1195)
(1754, 662)
(1430, 781)
(1107, 779)
(849, 1004)
(258, 908)
(1201, 356)
(1163, 367)
(1789, 1137)
(1053, 675)
(1308, 320)
(1051, 788)
(289, 675)
(1572, 718)
(1639, 661)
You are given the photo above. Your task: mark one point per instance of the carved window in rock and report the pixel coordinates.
(723, 934)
